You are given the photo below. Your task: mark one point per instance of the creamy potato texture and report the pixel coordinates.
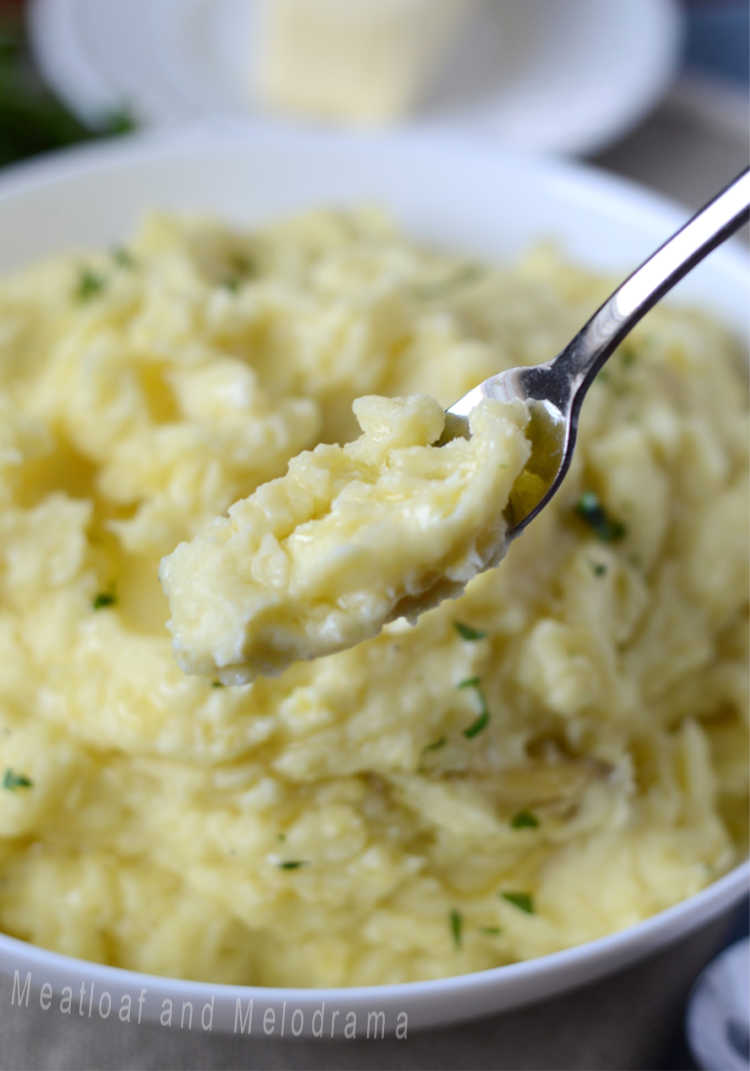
(352, 537)
(552, 756)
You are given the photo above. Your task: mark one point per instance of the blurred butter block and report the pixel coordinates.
(364, 61)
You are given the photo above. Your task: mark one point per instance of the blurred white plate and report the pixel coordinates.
(543, 75)
(718, 1017)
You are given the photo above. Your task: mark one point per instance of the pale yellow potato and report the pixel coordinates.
(161, 809)
(350, 538)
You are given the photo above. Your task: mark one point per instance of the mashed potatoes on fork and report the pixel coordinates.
(557, 753)
(351, 538)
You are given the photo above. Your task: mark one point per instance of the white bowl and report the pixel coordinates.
(461, 194)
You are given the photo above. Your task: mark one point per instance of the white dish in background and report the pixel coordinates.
(718, 1016)
(542, 75)
(453, 192)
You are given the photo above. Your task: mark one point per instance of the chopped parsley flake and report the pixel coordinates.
(598, 568)
(524, 820)
(123, 257)
(456, 926)
(522, 900)
(483, 717)
(291, 864)
(466, 632)
(240, 267)
(103, 600)
(216, 684)
(89, 283)
(436, 744)
(481, 723)
(490, 931)
(120, 121)
(12, 780)
(590, 509)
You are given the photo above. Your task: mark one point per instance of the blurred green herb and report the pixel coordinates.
(483, 717)
(522, 900)
(241, 267)
(435, 745)
(241, 264)
(524, 820)
(589, 508)
(456, 926)
(12, 780)
(32, 118)
(103, 600)
(123, 257)
(89, 283)
(466, 632)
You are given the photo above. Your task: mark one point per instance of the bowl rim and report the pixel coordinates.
(613, 194)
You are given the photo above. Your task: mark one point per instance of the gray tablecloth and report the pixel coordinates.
(631, 1020)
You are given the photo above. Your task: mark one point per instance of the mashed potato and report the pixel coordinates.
(352, 537)
(550, 757)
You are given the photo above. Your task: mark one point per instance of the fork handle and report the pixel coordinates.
(714, 223)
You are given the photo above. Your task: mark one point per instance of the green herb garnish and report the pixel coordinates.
(123, 257)
(10, 43)
(216, 684)
(89, 283)
(490, 931)
(240, 267)
(483, 717)
(478, 725)
(598, 568)
(32, 119)
(466, 632)
(524, 820)
(435, 745)
(119, 121)
(103, 600)
(590, 509)
(456, 926)
(12, 780)
(292, 864)
(522, 900)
